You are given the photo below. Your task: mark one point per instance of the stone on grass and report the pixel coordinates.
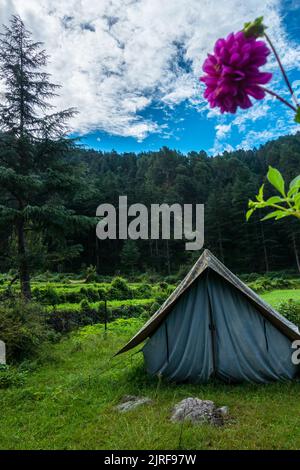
(199, 411)
(129, 402)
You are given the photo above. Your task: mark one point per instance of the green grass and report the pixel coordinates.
(276, 296)
(68, 403)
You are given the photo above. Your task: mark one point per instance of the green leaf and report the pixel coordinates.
(297, 201)
(294, 190)
(275, 178)
(274, 200)
(254, 28)
(295, 182)
(249, 213)
(276, 215)
(260, 196)
(297, 116)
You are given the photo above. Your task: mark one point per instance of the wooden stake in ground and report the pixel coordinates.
(2, 352)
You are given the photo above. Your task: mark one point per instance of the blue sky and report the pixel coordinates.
(131, 69)
(189, 129)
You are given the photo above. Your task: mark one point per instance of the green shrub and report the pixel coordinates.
(92, 294)
(290, 310)
(163, 285)
(63, 321)
(267, 283)
(144, 291)
(91, 274)
(126, 311)
(119, 290)
(47, 295)
(261, 285)
(172, 279)
(72, 296)
(68, 319)
(154, 307)
(22, 328)
(161, 297)
(11, 377)
(102, 294)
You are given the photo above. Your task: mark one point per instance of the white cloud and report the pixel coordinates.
(222, 130)
(114, 58)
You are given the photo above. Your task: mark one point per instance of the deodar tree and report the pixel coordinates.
(36, 176)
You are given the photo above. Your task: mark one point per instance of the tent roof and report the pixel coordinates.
(208, 260)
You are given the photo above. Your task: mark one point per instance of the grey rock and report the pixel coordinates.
(130, 402)
(198, 411)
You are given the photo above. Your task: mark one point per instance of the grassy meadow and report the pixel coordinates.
(68, 403)
(65, 396)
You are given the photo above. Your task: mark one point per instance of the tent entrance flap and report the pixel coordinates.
(188, 353)
(212, 325)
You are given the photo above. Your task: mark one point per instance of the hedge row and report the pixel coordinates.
(117, 290)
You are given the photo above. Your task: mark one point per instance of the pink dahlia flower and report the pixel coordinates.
(232, 73)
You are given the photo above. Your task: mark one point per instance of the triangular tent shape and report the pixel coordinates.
(214, 325)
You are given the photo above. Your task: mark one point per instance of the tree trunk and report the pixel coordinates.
(168, 257)
(264, 247)
(296, 251)
(97, 255)
(23, 264)
(220, 242)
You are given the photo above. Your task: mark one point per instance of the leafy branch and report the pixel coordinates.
(287, 204)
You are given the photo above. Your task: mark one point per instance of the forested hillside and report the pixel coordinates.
(223, 183)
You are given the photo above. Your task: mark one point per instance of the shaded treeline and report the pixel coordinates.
(223, 183)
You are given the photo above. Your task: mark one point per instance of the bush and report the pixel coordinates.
(290, 310)
(172, 279)
(126, 311)
(163, 285)
(261, 285)
(66, 320)
(144, 291)
(272, 282)
(22, 328)
(89, 293)
(47, 295)
(154, 307)
(10, 377)
(91, 274)
(119, 290)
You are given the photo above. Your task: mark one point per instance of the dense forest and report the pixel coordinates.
(223, 183)
(50, 188)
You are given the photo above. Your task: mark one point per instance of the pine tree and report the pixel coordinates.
(36, 178)
(130, 255)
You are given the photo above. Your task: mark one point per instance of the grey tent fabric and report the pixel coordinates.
(248, 347)
(208, 260)
(214, 331)
(213, 325)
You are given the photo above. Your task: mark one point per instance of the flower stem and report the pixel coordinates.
(280, 98)
(282, 70)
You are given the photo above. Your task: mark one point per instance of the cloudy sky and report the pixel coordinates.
(131, 68)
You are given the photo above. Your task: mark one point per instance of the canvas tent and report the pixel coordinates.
(213, 325)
